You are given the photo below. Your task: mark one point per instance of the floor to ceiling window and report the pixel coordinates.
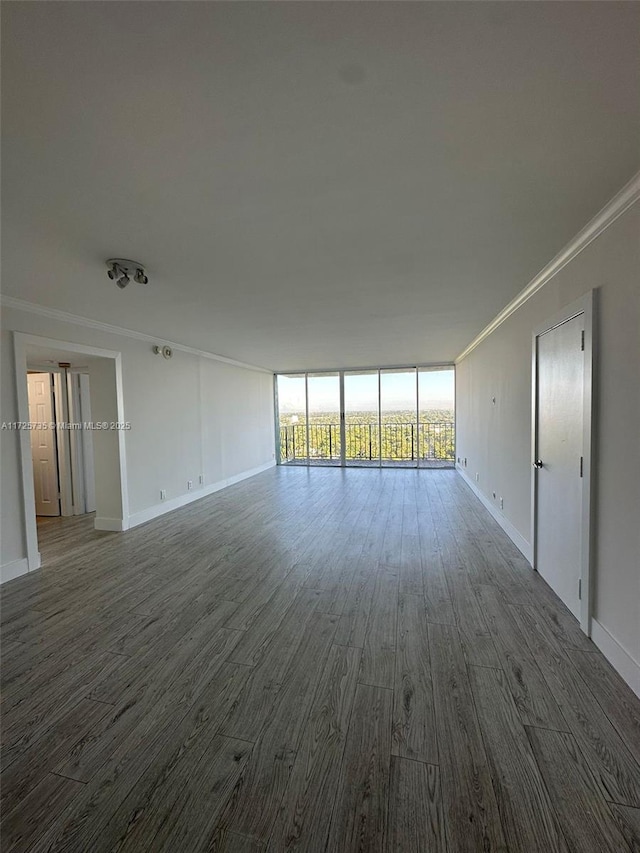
(377, 417)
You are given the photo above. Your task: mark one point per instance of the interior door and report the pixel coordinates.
(558, 462)
(43, 444)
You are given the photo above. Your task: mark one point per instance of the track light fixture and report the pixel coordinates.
(122, 271)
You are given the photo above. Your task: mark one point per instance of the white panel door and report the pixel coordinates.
(43, 445)
(560, 372)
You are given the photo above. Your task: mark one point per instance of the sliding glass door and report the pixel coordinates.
(436, 418)
(362, 418)
(323, 394)
(367, 418)
(292, 418)
(398, 396)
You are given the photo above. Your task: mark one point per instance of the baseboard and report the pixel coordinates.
(619, 658)
(516, 537)
(114, 524)
(182, 500)
(12, 570)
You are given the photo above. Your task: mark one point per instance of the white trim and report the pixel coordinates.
(189, 497)
(12, 570)
(512, 532)
(584, 306)
(76, 320)
(426, 365)
(114, 524)
(620, 203)
(21, 342)
(617, 655)
(61, 416)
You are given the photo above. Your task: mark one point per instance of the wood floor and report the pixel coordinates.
(311, 660)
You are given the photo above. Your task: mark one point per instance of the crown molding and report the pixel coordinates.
(618, 205)
(76, 320)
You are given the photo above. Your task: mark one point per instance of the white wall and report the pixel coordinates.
(496, 439)
(106, 458)
(190, 415)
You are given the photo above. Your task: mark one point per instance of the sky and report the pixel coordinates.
(398, 391)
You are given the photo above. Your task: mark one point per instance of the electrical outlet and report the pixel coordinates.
(163, 494)
(501, 503)
(189, 484)
(201, 479)
(477, 477)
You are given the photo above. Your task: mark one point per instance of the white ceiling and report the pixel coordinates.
(310, 184)
(47, 358)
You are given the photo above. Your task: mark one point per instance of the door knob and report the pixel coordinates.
(537, 463)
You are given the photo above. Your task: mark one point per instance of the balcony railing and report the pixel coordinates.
(401, 443)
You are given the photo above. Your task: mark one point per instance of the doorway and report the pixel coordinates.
(78, 385)
(61, 440)
(562, 455)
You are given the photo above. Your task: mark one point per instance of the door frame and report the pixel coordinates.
(21, 342)
(586, 306)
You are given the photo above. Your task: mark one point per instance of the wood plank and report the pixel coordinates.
(224, 841)
(167, 655)
(152, 704)
(411, 575)
(177, 803)
(582, 812)
(303, 818)
(526, 813)
(265, 778)
(414, 730)
(248, 715)
(377, 666)
(352, 627)
(360, 816)
(108, 807)
(614, 768)
(615, 697)
(26, 724)
(22, 826)
(22, 776)
(534, 701)
(416, 817)
(628, 821)
(436, 590)
(475, 636)
(264, 626)
(470, 807)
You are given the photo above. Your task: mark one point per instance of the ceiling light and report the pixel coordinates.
(122, 271)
